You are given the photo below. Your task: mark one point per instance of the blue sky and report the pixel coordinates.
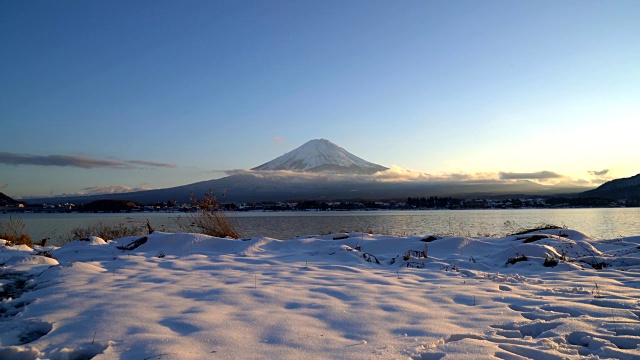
(110, 95)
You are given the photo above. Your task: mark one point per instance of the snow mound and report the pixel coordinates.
(30, 260)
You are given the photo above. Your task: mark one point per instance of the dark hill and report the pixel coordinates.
(110, 206)
(627, 188)
(7, 201)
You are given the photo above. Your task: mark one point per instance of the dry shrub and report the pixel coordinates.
(13, 231)
(102, 230)
(516, 229)
(211, 218)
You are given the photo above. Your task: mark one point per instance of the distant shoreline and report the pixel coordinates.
(479, 204)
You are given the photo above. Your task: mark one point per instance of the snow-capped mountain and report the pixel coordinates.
(321, 155)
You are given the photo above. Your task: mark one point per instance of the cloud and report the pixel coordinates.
(4, 186)
(151, 163)
(279, 139)
(465, 177)
(101, 190)
(278, 173)
(73, 161)
(599, 173)
(58, 160)
(393, 174)
(540, 175)
(396, 173)
(582, 182)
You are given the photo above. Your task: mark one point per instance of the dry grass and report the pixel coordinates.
(104, 231)
(14, 232)
(210, 219)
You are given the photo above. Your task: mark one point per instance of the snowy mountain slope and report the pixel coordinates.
(321, 155)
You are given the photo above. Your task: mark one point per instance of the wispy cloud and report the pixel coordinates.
(396, 174)
(102, 190)
(58, 160)
(99, 190)
(74, 161)
(540, 175)
(600, 177)
(4, 186)
(393, 174)
(117, 189)
(151, 163)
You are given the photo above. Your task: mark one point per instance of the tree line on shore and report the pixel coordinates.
(411, 203)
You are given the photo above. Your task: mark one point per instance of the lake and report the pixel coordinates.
(600, 223)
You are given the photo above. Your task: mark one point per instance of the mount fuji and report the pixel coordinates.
(321, 155)
(317, 170)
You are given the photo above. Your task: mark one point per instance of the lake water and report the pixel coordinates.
(600, 223)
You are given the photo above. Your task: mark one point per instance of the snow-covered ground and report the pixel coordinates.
(340, 296)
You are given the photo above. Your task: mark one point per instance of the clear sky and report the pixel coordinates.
(103, 95)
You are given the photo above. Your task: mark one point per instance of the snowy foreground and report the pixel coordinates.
(190, 296)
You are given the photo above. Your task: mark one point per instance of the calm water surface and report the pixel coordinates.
(600, 223)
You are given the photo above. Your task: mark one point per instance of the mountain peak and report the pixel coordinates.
(321, 155)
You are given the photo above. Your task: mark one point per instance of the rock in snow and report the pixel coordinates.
(338, 296)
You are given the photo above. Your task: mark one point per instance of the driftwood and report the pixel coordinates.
(134, 244)
(415, 264)
(517, 259)
(370, 258)
(532, 238)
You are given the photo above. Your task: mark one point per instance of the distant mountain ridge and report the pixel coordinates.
(251, 188)
(321, 155)
(626, 188)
